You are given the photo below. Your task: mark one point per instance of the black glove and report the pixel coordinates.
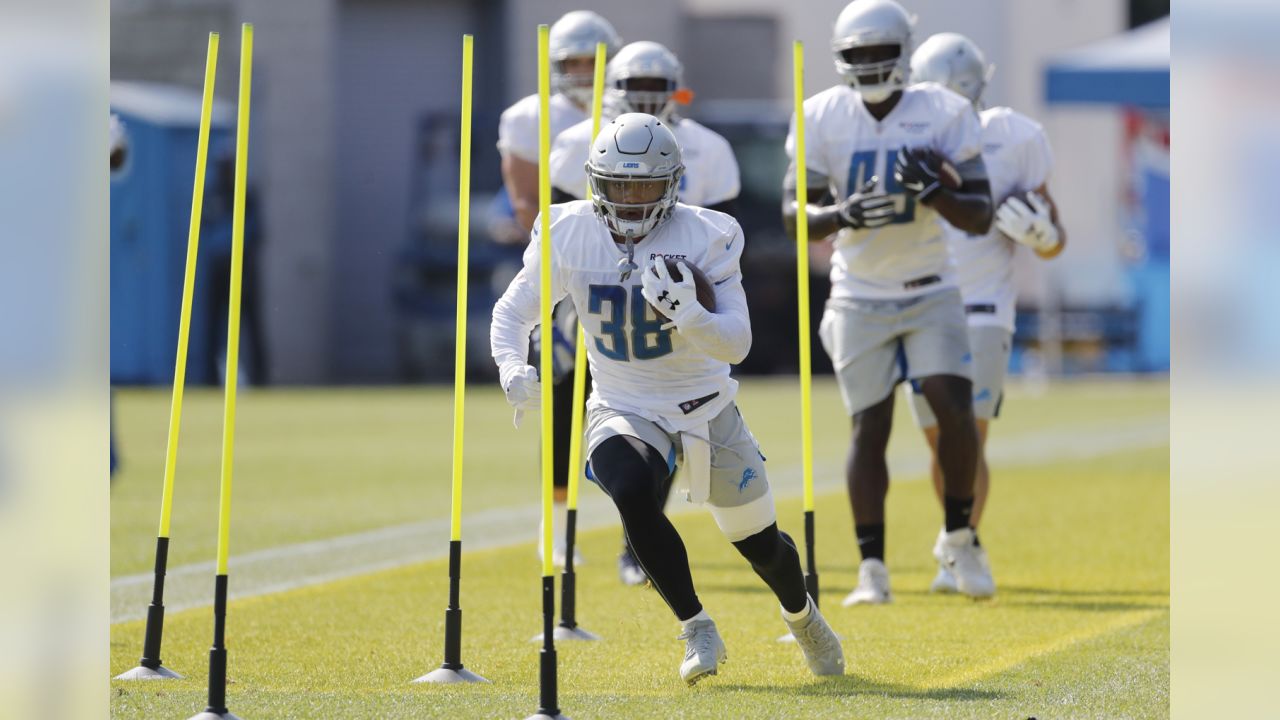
(917, 172)
(866, 209)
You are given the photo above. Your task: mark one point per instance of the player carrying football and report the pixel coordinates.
(1016, 153)
(880, 157)
(646, 77)
(661, 394)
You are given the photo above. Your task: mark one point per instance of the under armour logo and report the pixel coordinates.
(666, 298)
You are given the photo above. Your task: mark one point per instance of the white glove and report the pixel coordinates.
(675, 300)
(524, 391)
(1032, 225)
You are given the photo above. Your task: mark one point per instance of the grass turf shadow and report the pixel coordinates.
(849, 685)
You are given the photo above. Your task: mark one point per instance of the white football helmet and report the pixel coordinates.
(575, 35)
(637, 63)
(634, 170)
(872, 46)
(953, 61)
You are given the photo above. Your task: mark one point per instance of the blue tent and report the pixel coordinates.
(1132, 70)
(1128, 69)
(150, 211)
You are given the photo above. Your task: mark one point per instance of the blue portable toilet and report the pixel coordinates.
(150, 213)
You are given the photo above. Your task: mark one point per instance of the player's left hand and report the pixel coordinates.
(1029, 223)
(674, 299)
(917, 172)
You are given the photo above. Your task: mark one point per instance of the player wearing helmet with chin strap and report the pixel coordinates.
(647, 77)
(661, 396)
(573, 39)
(1018, 159)
(874, 155)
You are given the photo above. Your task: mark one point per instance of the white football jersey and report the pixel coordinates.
(710, 168)
(1018, 159)
(518, 126)
(848, 146)
(636, 366)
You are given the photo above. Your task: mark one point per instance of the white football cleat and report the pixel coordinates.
(703, 651)
(873, 585)
(629, 570)
(958, 552)
(943, 582)
(818, 642)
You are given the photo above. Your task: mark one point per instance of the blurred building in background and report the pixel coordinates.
(354, 158)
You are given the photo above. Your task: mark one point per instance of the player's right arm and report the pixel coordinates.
(826, 215)
(863, 210)
(518, 143)
(521, 178)
(514, 316)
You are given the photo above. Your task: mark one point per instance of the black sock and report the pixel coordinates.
(870, 541)
(958, 511)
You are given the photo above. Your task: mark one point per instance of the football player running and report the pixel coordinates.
(876, 156)
(646, 77)
(572, 49)
(1018, 159)
(661, 394)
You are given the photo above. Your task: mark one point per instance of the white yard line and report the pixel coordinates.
(287, 567)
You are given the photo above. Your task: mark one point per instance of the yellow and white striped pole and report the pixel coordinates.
(218, 653)
(568, 580)
(547, 704)
(150, 666)
(802, 289)
(452, 670)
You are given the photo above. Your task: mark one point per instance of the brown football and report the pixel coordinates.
(947, 173)
(706, 291)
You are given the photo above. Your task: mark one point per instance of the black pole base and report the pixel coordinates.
(150, 667)
(451, 670)
(214, 715)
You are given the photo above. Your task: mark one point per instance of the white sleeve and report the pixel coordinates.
(1037, 160)
(723, 183)
(515, 315)
(725, 334)
(961, 138)
(566, 165)
(815, 160)
(518, 133)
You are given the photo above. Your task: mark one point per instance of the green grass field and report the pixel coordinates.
(1077, 532)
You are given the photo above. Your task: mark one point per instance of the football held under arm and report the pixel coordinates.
(725, 334)
(969, 208)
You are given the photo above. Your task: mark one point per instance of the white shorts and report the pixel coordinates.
(876, 344)
(991, 345)
(740, 499)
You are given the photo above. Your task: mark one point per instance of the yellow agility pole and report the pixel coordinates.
(218, 653)
(452, 671)
(547, 704)
(568, 628)
(150, 667)
(802, 290)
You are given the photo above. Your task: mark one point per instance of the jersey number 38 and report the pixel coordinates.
(644, 339)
